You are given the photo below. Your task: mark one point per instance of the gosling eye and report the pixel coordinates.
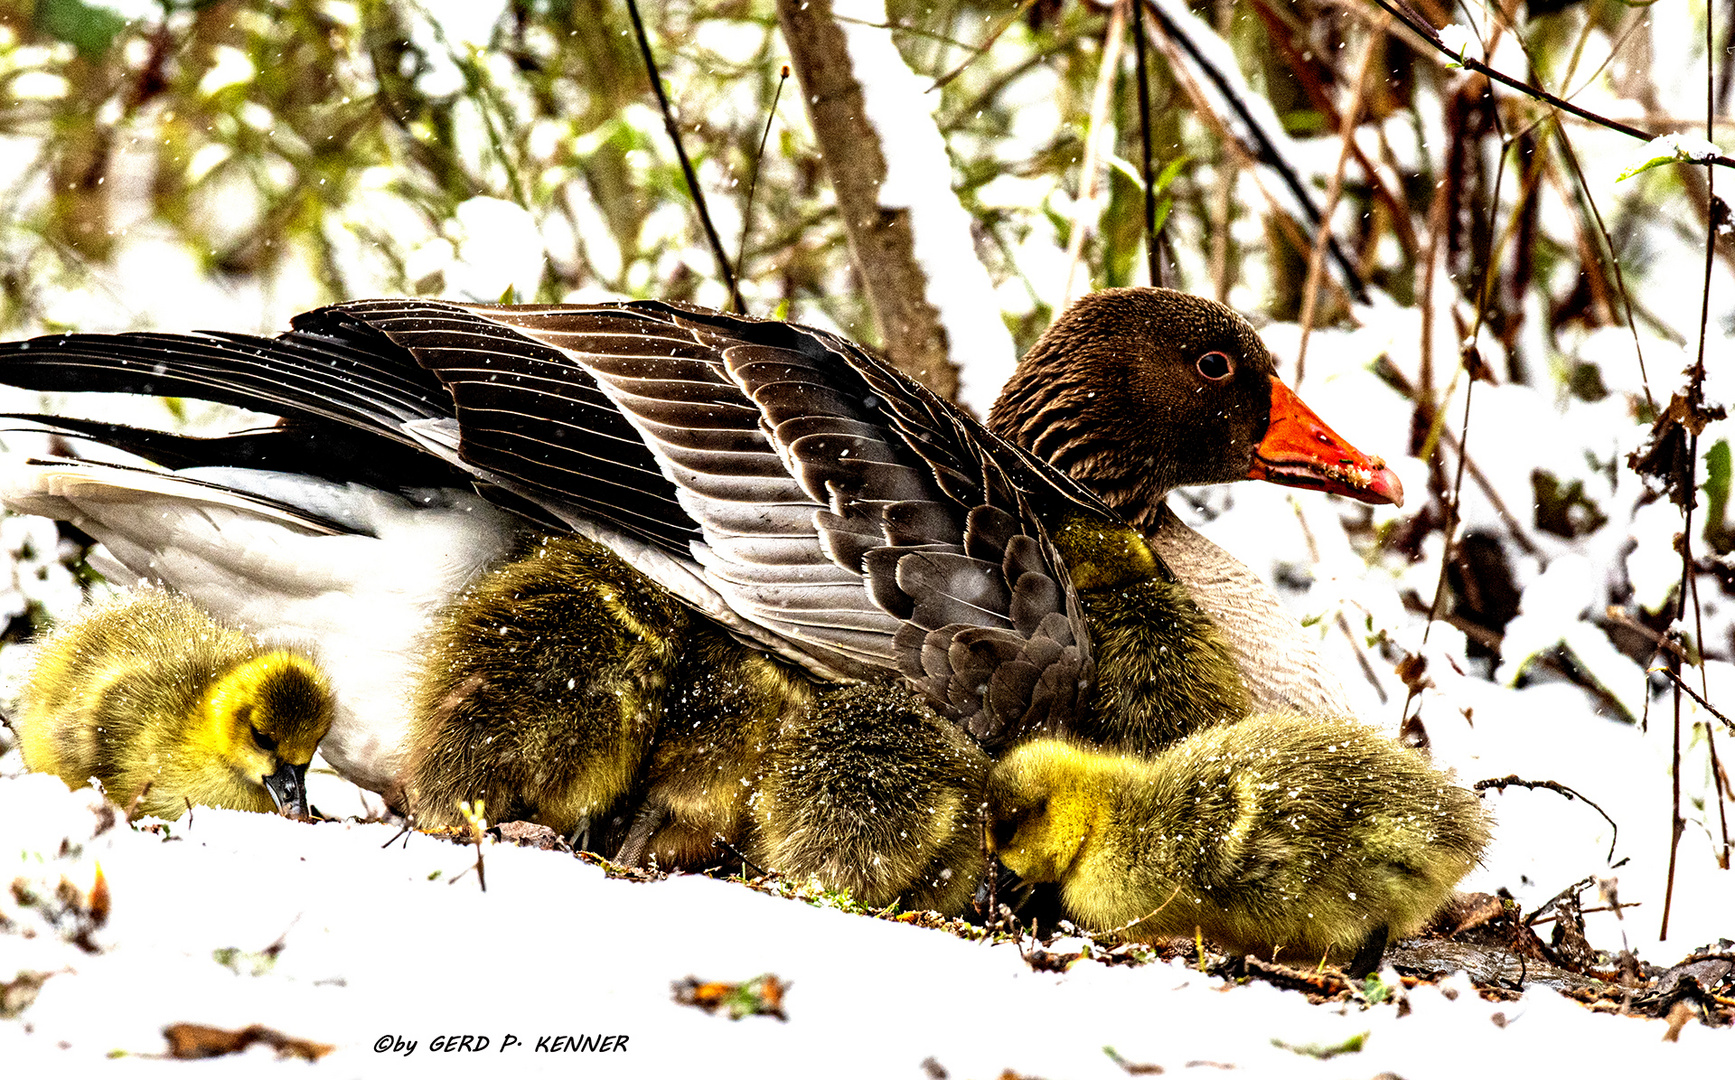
(264, 741)
(1216, 366)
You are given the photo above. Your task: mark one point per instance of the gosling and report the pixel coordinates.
(542, 690)
(169, 709)
(1276, 834)
(872, 791)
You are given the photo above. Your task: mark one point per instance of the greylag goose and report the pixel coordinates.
(775, 477)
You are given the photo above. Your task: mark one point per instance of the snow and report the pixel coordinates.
(395, 940)
(446, 31)
(498, 247)
(1458, 39)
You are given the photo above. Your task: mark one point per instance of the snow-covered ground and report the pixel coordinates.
(382, 944)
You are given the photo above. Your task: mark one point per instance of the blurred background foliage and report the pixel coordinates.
(228, 163)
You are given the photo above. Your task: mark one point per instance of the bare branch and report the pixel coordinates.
(1469, 63)
(674, 130)
(1513, 780)
(1265, 150)
(880, 238)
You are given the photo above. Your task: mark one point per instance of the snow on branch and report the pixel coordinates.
(910, 236)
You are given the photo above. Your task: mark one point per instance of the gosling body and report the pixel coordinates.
(566, 688)
(1277, 834)
(542, 689)
(1163, 669)
(874, 792)
(723, 709)
(168, 708)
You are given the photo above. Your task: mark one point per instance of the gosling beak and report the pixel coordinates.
(288, 788)
(1301, 451)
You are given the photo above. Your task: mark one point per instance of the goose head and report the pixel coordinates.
(1137, 391)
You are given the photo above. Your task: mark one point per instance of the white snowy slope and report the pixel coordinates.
(379, 944)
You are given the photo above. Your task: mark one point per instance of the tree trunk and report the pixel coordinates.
(880, 238)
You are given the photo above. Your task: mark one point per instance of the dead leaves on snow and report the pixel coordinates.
(194, 1041)
(762, 996)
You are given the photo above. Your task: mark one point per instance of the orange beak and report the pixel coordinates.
(1301, 451)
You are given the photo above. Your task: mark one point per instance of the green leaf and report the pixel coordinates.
(1351, 1045)
(86, 28)
(1161, 214)
(1170, 171)
(1669, 149)
(1717, 470)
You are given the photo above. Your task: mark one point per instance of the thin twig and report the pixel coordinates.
(722, 841)
(1711, 732)
(1586, 911)
(1432, 36)
(1590, 201)
(1237, 155)
(1696, 399)
(1267, 150)
(1614, 261)
(758, 161)
(1316, 256)
(1513, 780)
(138, 800)
(1660, 642)
(987, 43)
(1313, 556)
(1089, 167)
(1466, 356)
(1279, 31)
(475, 818)
(1144, 87)
(1694, 694)
(692, 177)
(1124, 927)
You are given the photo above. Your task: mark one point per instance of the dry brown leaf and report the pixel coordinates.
(194, 1041)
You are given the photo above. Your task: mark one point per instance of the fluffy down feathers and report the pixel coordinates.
(1276, 833)
(167, 708)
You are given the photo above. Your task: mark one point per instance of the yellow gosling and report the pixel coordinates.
(1277, 834)
(167, 708)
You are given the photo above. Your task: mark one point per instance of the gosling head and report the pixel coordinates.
(1044, 800)
(265, 716)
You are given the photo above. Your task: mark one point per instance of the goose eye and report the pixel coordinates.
(1215, 366)
(264, 741)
